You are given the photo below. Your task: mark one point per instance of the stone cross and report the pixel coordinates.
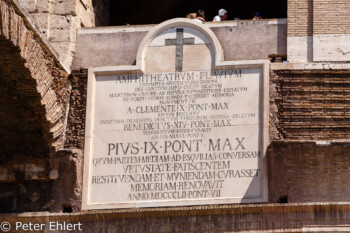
(180, 41)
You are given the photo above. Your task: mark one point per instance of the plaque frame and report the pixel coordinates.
(219, 64)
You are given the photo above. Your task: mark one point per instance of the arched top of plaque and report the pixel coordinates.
(179, 45)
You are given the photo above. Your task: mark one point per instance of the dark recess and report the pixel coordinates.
(156, 11)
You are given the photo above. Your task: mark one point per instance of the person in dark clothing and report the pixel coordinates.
(200, 16)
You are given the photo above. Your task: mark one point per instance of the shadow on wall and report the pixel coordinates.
(30, 167)
(25, 137)
(308, 171)
(101, 10)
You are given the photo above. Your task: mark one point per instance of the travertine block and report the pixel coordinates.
(61, 21)
(42, 22)
(331, 47)
(29, 5)
(62, 35)
(65, 50)
(85, 12)
(300, 49)
(43, 6)
(66, 7)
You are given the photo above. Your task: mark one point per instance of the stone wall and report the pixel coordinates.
(59, 20)
(331, 17)
(241, 40)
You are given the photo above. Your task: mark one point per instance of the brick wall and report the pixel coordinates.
(331, 17)
(36, 173)
(75, 135)
(308, 172)
(308, 17)
(300, 18)
(25, 56)
(311, 105)
(318, 30)
(307, 106)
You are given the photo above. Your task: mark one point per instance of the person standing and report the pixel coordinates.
(221, 17)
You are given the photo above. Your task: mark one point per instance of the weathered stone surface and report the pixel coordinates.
(238, 38)
(63, 8)
(58, 21)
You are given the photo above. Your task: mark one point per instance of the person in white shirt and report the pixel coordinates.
(221, 17)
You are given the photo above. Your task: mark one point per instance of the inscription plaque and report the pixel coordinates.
(176, 138)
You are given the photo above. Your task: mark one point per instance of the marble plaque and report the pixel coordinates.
(176, 137)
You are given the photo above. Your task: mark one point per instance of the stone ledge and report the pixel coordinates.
(310, 66)
(226, 218)
(148, 27)
(192, 210)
